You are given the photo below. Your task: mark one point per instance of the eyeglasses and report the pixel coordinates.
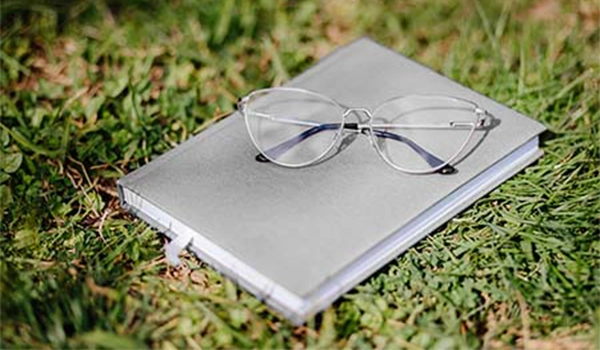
(416, 134)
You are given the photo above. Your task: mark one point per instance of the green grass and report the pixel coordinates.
(92, 90)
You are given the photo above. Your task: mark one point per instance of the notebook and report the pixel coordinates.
(300, 238)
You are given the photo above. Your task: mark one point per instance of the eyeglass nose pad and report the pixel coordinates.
(367, 129)
(368, 133)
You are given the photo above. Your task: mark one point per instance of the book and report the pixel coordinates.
(300, 238)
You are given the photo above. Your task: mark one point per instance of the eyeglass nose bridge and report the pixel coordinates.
(359, 128)
(365, 111)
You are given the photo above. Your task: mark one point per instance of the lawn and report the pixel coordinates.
(90, 91)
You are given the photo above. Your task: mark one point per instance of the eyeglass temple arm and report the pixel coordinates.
(431, 159)
(285, 146)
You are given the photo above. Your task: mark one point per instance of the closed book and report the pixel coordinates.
(298, 238)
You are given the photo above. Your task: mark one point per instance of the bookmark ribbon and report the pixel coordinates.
(176, 246)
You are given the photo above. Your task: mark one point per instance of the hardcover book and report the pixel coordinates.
(300, 238)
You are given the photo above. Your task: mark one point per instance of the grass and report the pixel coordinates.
(92, 90)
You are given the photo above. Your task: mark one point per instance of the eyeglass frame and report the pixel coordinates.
(483, 121)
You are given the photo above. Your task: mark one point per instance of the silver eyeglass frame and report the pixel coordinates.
(482, 121)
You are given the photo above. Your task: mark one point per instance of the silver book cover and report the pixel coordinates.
(300, 238)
